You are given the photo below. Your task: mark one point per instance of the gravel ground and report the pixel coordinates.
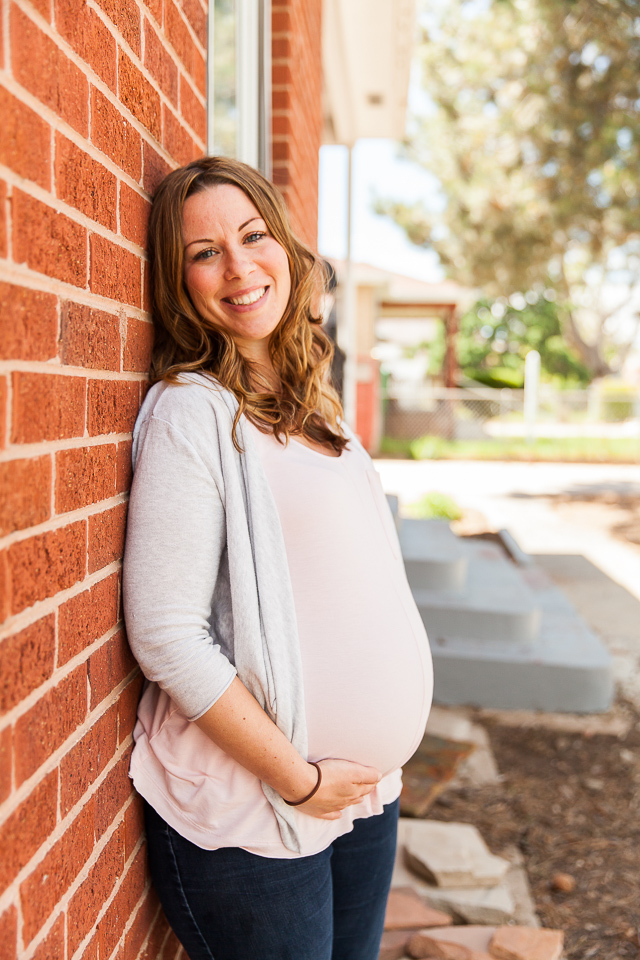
(571, 803)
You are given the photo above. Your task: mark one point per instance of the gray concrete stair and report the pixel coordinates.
(502, 635)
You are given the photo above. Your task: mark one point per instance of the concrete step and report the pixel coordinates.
(565, 668)
(494, 604)
(432, 555)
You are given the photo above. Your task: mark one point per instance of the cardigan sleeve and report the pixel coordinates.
(176, 536)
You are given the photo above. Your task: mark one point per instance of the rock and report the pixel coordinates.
(563, 882)
(480, 905)
(406, 911)
(525, 943)
(472, 937)
(452, 855)
(424, 945)
(394, 943)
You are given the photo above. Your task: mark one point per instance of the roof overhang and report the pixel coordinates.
(366, 57)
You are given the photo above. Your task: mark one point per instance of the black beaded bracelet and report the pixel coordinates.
(296, 803)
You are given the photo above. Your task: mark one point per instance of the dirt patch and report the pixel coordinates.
(571, 803)
(617, 513)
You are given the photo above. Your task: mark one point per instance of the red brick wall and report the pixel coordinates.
(297, 109)
(96, 103)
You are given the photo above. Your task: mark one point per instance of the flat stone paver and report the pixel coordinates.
(523, 943)
(452, 855)
(406, 911)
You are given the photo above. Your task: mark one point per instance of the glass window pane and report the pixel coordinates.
(225, 113)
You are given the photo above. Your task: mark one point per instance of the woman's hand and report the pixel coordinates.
(343, 784)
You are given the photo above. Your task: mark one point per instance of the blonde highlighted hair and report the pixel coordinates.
(305, 404)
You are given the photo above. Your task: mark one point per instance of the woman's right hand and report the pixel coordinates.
(343, 784)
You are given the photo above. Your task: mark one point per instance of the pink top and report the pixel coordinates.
(365, 659)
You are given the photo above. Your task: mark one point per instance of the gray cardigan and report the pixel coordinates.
(206, 583)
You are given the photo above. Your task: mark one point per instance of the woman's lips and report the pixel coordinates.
(245, 307)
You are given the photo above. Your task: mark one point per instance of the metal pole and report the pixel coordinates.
(348, 325)
(531, 383)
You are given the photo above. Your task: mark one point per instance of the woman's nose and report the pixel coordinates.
(238, 262)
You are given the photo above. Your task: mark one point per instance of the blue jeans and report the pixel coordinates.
(228, 904)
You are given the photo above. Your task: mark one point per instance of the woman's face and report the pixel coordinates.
(236, 273)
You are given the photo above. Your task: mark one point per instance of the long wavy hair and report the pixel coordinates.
(304, 403)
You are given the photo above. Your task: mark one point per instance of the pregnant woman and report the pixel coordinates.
(287, 667)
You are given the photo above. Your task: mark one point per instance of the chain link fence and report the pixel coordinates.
(413, 410)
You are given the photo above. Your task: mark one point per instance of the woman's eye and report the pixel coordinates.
(204, 254)
(254, 237)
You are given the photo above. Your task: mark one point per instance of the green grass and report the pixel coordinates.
(435, 506)
(561, 449)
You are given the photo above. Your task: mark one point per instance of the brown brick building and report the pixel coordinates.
(98, 100)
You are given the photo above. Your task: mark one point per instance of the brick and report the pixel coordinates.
(88, 900)
(90, 952)
(112, 924)
(143, 921)
(53, 876)
(46, 72)
(47, 241)
(25, 140)
(84, 183)
(112, 406)
(88, 337)
(109, 666)
(116, 273)
(134, 215)
(26, 661)
(193, 110)
(160, 64)
(147, 292)
(4, 243)
(176, 140)
(3, 412)
(157, 936)
(112, 795)
(47, 407)
(155, 169)
(43, 7)
(280, 21)
(84, 475)
(124, 469)
(27, 828)
(5, 585)
(172, 947)
(125, 15)
(81, 766)
(184, 45)
(42, 566)
(128, 707)
(197, 17)
(40, 731)
(9, 934)
(52, 947)
(25, 493)
(115, 136)
(155, 8)
(138, 345)
(106, 537)
(83, 29)
(133, 825)
(6, 762)
(28, 323)
(87, 617)
(137, 94)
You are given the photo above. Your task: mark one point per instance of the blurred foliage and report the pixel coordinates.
(533, 129)
(495, 337)
(435, 506)
(560, 449)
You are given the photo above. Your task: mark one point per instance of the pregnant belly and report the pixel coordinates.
(371, 706)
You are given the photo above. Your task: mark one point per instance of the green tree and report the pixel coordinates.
(534, 134)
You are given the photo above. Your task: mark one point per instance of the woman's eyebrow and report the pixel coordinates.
(208, 240)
